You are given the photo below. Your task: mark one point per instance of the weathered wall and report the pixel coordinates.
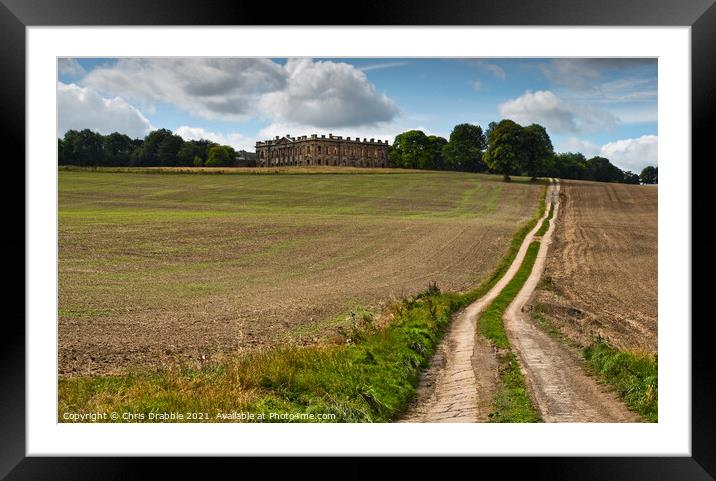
(316, 150)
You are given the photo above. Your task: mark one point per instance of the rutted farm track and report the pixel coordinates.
(460, 384)
(559, 386)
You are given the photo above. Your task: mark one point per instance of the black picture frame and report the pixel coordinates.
(16, 15)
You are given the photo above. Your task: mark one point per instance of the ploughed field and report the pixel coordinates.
(601, 273)
(157, 269)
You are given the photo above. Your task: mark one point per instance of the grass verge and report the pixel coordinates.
(634, 376)
(545, 223)
(512, 403)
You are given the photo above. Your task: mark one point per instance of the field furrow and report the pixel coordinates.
(157, 270)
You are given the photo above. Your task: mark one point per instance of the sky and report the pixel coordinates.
(604, 107)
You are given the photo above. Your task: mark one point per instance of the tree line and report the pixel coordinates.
(159, 148)
(506, 148)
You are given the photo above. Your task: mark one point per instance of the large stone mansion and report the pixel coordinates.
(315, 150)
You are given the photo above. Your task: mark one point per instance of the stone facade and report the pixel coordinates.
(322, 150)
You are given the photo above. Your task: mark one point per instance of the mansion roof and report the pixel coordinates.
(287, 139)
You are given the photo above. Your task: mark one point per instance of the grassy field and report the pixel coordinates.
(176, 272)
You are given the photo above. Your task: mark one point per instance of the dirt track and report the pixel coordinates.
(462, 378)
(559, 387)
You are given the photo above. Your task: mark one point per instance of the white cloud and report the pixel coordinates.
(629, 89)
(378, 132)
(382, 131)
(81, 108)
(378, 66)
(573, 144)
(632, 154)
(207, 87)
(70, 67)
(545, 108)
(318, 93)
(493, 68)
(588, 73)
(477, 85)
(496, 70)
(627, 154)
(328, 95)
(636, 114)
(233, 139)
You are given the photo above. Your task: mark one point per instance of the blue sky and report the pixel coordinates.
(602, 107)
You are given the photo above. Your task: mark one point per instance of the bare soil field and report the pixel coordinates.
(156, 270)
(600, 277)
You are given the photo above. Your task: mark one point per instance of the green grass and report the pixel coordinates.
(634, 376)
(370, 378)
(512, 403)
(545, 223)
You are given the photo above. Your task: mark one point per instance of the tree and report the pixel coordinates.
(220, 156)
(464, 149)
(537, 150)
(61, 152)
(204, 146)
(168, 149)
(650, 175)
(504, 150)
(188, 152)
(82, 148)
(148, 153)
(435, 147)
(570, 165)
(490, 127)
(601, 170)
(630, 178)
(117, 149)
(411, 150)
(198, 162)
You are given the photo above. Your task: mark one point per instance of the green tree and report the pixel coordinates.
(188, 152)
(220, 156)
(117, 149)
(204, 146)
(630, 178)
(537, 150)
(411, 150)
(83, 148)
(569, 165)
(61, 152)
(505, 147)
(168, 150)
(464, 149)
(148, 153)
(601, 170)
(436, 144)
(490, 127)
(650, 175)
(198, 162)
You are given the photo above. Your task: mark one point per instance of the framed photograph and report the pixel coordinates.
(436, 231)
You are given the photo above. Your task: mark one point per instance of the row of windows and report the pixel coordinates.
(291, 151)
(361, 163)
